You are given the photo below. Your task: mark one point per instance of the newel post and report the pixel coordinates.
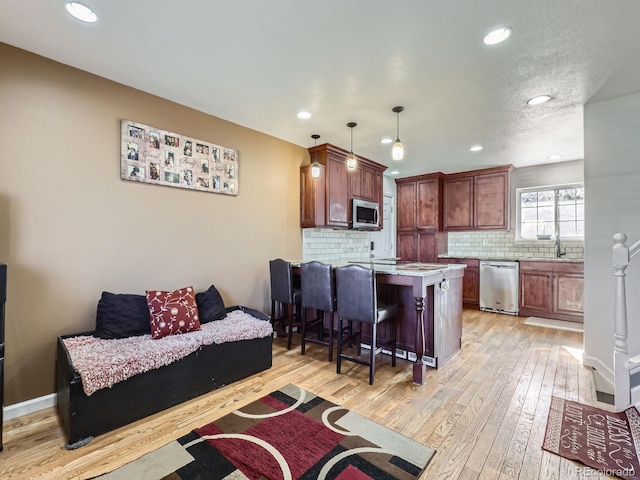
(622, 382)
(620, 263)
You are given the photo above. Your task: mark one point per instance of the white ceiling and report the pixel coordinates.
(257, 63)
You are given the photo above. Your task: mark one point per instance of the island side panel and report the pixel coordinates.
(448, 315)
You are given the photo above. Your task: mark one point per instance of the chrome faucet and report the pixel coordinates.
(559, 251)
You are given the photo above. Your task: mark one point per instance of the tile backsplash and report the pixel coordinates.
(339, 245)
(502, 245)
(345, 245)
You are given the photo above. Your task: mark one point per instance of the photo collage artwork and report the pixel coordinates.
(151, 155)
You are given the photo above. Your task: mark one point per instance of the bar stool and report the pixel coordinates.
(285, 296)
(357, 301)
(319, 293)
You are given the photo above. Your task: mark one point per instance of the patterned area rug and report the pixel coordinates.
(603, 440)
(289, 434)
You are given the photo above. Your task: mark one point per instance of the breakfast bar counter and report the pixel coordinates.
(429, 322)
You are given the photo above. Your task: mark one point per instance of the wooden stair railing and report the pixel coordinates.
(626, 369)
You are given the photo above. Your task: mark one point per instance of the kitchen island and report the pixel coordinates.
(429, 322)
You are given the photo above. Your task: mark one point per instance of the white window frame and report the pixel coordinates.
(519, 191)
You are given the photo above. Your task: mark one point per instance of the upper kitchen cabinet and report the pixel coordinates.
(477, 199)
(312, 197)
(365, 182)
(325, 201)
(418, 201)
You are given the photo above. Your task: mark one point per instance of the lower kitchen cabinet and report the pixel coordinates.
(470, 281)
(552, 290)
(421, 245)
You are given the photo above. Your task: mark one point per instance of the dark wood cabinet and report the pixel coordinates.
(568, 295)
(405, 206)
(418, 223)
(552, 290)
(491, 200)
(419, 201)
(362, 183)
(355, 182)
(406, 246)
(325, 201)
(337, 196)
(458, 203)
(421, 245)
(369, 191)
(535, 292)
(470, 281)
(477, 200)
(312, 197)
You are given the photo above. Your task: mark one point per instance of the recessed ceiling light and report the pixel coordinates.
(554, 157)
(303, 115)
(394, 172)
(476, 148)
(498, 35)
(386, 140)
(539, 100)
(81, 12)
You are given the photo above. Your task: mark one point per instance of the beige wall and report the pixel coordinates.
(70, 228)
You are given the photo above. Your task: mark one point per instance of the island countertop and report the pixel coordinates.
(412, 269)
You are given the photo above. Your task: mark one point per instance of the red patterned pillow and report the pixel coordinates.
(172, 312)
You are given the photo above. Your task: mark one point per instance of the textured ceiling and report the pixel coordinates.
(257, 63)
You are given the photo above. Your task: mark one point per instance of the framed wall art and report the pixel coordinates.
(152, 155)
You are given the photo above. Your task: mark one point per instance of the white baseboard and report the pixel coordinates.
(30, 406)
(604, 373)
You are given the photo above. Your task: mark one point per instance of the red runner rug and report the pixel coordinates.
(603, 440)
(288, 434)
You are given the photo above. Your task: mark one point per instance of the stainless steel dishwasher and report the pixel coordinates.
(499, 286)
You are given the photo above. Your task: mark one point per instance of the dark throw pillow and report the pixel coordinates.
(122, 315)
(210, 305)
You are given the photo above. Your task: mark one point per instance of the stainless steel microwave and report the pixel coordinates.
(364, 215)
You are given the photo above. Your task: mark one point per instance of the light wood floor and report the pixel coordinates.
(484, 412)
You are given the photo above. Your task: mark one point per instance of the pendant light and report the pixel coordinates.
(397, 151)
(352, 163)
(315, 167)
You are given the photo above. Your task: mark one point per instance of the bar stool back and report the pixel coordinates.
(285, 298)
(318, 292)
(357, 301)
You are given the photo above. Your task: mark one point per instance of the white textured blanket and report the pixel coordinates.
(103, 363)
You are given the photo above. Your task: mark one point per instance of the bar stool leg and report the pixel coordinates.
(324, 315)
(290, 319)
(304, 331)
(339, 344)
(393, 350)
(273, 314)
(372, 354)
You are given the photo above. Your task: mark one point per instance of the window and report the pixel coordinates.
(545, 212)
